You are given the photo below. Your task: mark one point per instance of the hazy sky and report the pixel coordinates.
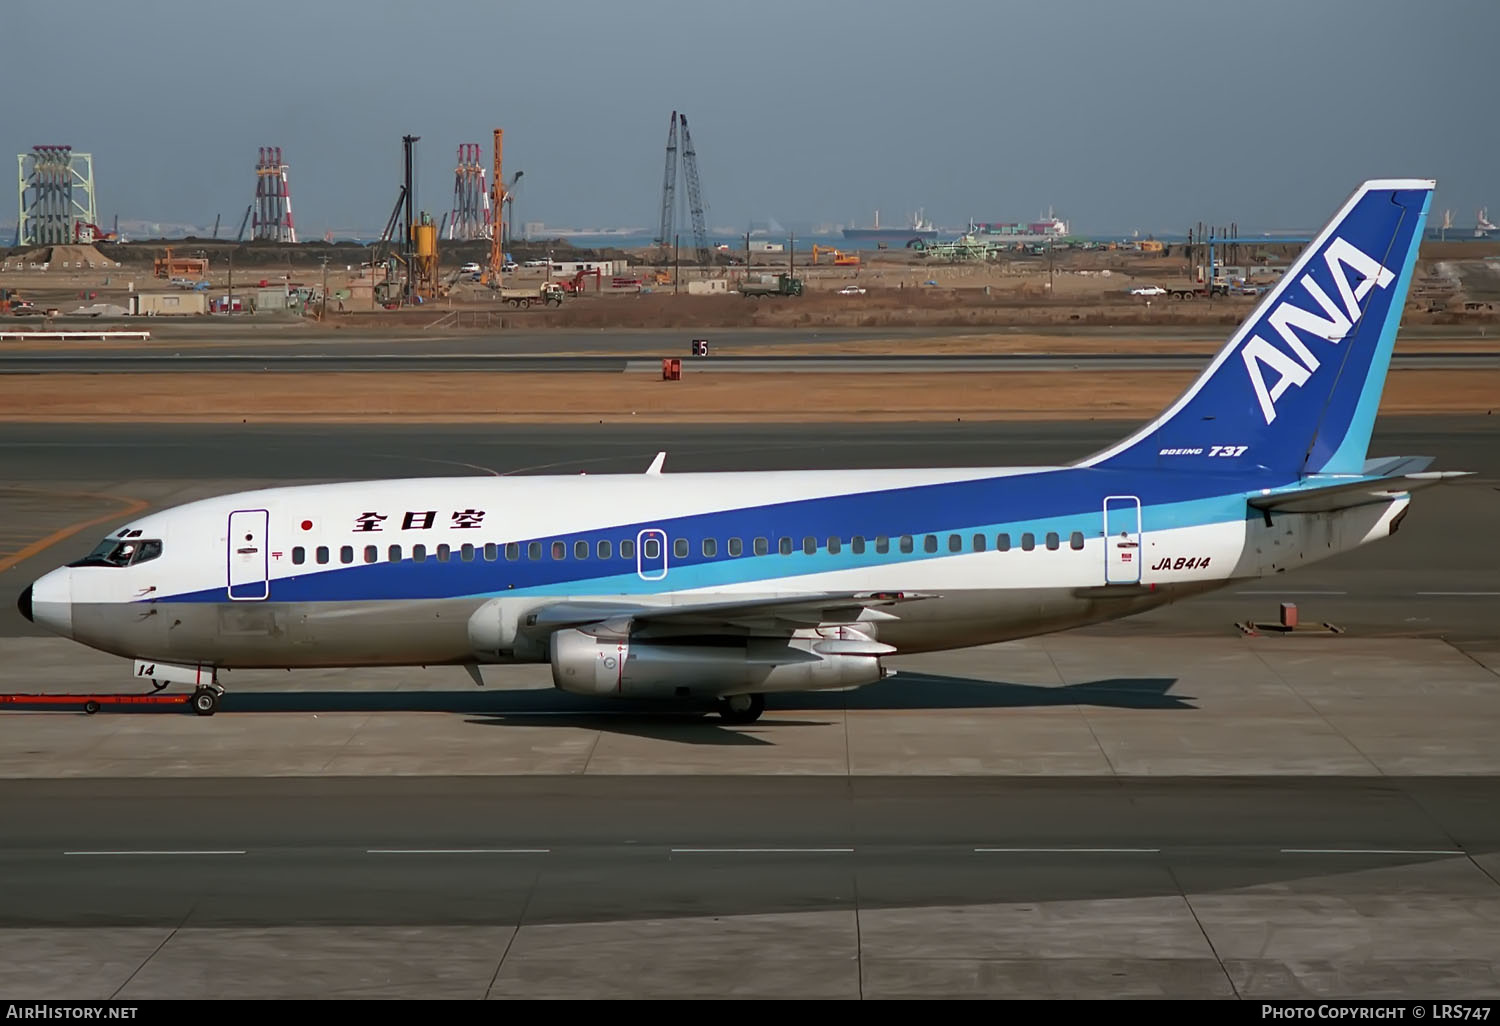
(1146, 115)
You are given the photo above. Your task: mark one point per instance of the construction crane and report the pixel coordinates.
(491, 274)
(669, 188)
(695, 194)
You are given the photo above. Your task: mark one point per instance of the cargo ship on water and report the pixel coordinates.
(919, 228)
(1051, 229)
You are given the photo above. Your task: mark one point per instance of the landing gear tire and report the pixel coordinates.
(742, 708)
(205, 701)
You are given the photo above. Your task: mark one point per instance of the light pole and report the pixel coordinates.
(324, 311)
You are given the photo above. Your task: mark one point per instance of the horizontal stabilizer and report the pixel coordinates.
(1389, 466)
(1326, 498)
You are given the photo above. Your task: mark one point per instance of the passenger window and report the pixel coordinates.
(627, 548)
(1075, 540)
(1052, 540)
(512, 551)
(651, 548)
(299, 555)
(929, 544)
(371, 553)
(735, 548)
(761, 547)
(1028, 541)
(906, 543)
(835, 545)
(346, 553)
(580, 549)
(882, 544)
(955, 543)
(784, 546)
(1002, 543)
(393, 553)
(680, 548)
(979, 543)
(442, 553)
(534, 551)
(466, 553)
(322, 553)
(419, 553)
(858, 545)
(491, 552)
(603, 549)
(559, 550)
(809, 545)
(710, 548)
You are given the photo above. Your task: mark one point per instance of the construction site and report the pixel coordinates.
(463, 266)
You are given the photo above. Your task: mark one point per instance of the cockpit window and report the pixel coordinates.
(121, 552)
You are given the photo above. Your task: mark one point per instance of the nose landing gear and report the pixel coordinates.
(205, 700)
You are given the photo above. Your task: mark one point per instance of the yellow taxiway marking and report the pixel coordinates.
(132, 506)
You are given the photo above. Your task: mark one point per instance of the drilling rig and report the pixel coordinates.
(665, 233)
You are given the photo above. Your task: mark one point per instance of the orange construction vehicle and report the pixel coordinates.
(840, 257)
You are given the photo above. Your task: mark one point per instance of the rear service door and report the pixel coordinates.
(1122, 540)
(249, 562)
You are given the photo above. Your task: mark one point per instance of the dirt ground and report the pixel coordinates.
(1086, 288)
(577, 398)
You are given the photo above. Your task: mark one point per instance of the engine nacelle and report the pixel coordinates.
(621, 667)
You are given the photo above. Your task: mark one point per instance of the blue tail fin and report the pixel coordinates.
(1296, 388)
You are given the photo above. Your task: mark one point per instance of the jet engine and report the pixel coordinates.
(624, 667)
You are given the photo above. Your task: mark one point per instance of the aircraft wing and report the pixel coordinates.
(826, 609)
(1326, 498)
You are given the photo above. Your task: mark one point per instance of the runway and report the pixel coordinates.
(1163, 806)
(470, 362)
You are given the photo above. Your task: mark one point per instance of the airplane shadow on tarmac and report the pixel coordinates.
(698, 724)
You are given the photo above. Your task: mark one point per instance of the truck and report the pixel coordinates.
(1193, 290)
(550, 293)
(783, 285)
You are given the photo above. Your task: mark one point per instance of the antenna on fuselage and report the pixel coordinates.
(655, 467)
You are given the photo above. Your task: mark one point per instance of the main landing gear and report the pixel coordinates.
(741, 708)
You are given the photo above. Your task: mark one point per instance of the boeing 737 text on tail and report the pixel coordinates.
(726, 587)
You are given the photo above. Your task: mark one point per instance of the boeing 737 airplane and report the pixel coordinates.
(725, 587)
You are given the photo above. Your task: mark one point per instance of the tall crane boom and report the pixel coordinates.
(695, 194)
(669, 187)
(497, 250)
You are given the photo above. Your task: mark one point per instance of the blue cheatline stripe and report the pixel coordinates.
(1349, 457)
(432, 579)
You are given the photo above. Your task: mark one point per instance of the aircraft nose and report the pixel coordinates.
(48, 602)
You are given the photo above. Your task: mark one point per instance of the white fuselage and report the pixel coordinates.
(431, 571)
